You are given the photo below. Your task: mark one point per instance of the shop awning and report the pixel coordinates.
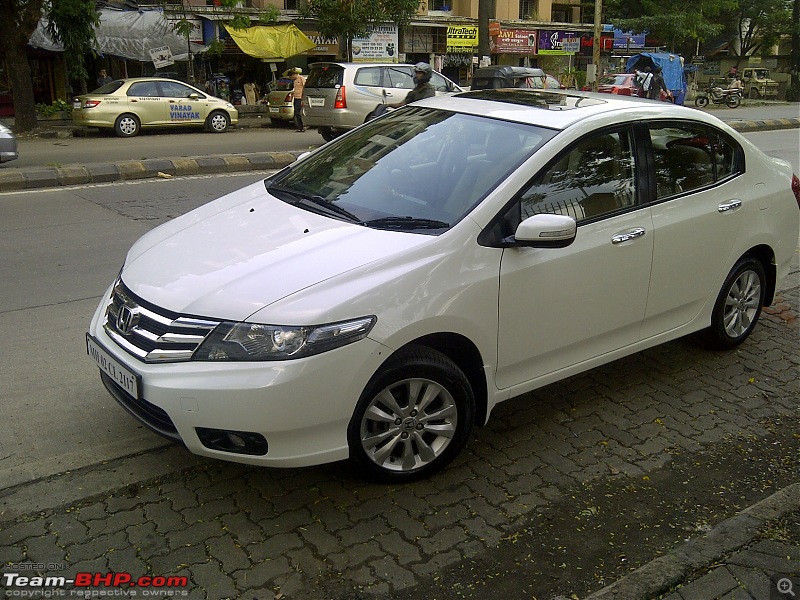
(271, 41)
(128, 34)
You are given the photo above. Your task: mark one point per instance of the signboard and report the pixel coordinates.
(514, 41)
(381, 45)
(552, 42)
(462, 38)
(625, 40)
(196, 34)
(162, 57)
(571, 45)
(324, 46)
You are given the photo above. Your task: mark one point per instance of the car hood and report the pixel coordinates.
(247, 250)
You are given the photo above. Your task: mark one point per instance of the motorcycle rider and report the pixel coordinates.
(422, 89)
(736, 84)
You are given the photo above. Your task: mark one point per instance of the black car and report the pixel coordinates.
(495, 77)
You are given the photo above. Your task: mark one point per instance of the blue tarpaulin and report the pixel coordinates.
(671, 69)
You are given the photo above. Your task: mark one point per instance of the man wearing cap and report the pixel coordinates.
(297, 96)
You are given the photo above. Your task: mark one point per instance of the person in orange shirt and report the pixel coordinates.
(297, 95)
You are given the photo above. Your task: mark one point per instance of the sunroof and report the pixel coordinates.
(548, 99)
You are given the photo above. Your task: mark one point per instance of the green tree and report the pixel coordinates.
(759, 24)
(70, 21)
(681, 25)
(346, 19)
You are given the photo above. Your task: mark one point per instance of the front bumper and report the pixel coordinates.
(301, 407)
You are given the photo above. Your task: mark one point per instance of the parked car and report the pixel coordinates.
(340, 96)
(503, 76)
(281, 102)
(129, 105)
(381, 295)
(758, 84)
(8, 144)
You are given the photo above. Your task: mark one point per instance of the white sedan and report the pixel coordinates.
(381, 295)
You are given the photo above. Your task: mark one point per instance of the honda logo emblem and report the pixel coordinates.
(127, 319)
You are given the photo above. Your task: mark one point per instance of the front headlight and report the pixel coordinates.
(253, 341)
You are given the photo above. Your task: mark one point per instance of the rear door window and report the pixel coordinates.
(368, 76)
(398, 78)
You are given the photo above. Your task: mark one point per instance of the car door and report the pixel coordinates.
(562, 306)
(397, 82)
(146, 102)
(185, 105)
(697, 209)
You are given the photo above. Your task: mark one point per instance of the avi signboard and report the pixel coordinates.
(515, 41)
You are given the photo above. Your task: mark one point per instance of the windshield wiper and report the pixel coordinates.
(406, 223)
(317, 201)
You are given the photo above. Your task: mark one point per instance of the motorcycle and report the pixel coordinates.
(713, 93)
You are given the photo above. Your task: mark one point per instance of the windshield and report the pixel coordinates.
(414, 169)
(613, 80)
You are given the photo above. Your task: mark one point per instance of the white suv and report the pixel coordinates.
(339, 96)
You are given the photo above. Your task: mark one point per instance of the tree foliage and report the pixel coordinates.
(680, 25)
(759, 24)
(353, 18)
(70, 21)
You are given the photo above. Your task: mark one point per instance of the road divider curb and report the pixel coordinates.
(57, 176)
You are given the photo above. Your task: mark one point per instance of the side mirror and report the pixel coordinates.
(194, 96)
(546, 231)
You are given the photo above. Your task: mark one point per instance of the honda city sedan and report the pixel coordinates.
(379, 297)
(129, 105)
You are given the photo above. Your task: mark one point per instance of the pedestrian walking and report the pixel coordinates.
(296, 76)
(658, 84)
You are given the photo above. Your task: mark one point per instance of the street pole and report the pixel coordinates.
(598, 11)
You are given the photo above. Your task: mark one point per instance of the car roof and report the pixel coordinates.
(561, 109)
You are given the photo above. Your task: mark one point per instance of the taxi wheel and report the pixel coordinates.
(218, 122)
(127, 126)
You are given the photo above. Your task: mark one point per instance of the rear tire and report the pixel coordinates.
(733, 101)
(701, 101)
(413, 417)
(127, 125)
(738, 305)
(327, 134)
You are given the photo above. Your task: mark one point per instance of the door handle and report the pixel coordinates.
(637, 232)
(729, 205)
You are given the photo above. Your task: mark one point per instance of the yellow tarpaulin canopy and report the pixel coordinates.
(271, 41)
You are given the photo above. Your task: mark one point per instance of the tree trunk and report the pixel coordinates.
(17, 22)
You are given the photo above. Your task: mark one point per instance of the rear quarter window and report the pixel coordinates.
(325, 77)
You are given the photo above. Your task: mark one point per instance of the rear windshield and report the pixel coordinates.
(329, 76)
(613, 80)
(108, 88)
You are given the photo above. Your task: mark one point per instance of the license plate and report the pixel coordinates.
(274, 109)
(76, 104)
(123, 376)
(316, 102)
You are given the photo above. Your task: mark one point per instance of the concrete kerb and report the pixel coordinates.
(665, 572)
(41, 177)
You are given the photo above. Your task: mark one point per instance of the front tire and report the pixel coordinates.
(218, 122)
(127, 125)
(413, 417)
(738, 305)
(327, 134)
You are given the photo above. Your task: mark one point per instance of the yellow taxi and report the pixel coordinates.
(128, 105)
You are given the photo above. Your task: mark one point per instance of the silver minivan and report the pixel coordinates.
(339, 96)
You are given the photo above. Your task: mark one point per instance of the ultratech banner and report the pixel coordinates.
(515, 41)
(462, 38)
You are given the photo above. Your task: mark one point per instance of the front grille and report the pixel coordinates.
(150, 333)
